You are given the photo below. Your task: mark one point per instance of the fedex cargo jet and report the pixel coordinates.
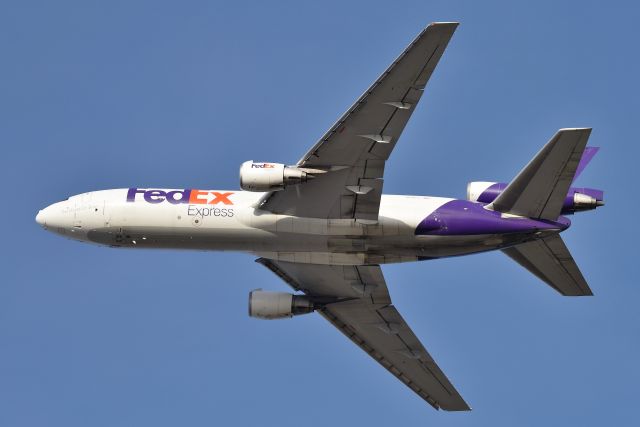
(324, 227)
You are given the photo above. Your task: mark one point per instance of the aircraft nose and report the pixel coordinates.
(56, 216)
(40, 218)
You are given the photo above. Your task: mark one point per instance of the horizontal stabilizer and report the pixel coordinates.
(550, 260)
(540, 188)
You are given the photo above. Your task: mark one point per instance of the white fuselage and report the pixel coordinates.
(230, 221)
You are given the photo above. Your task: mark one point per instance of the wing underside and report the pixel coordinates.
(366, 316)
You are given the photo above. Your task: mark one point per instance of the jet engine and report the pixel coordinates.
(583, 199)
(577, 199)
(278, 305)
(270, 176)
(484, 192)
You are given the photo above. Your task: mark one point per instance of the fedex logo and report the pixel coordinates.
(262, 166)
(175, 197)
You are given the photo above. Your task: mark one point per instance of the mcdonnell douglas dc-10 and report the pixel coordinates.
(324, 226)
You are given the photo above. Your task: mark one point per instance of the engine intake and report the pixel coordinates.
(484, 192)
(278, 305)
(270, 176)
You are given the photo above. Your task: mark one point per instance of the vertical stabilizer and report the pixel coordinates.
(588, 154)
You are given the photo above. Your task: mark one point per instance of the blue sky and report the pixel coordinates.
(98, 95)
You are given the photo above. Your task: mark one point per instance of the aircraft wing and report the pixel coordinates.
(366, 316)
(550, 260)
(354, 150)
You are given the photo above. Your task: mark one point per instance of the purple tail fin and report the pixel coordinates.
(588, 154)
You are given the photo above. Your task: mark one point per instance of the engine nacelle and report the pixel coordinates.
(582, 199)
(269, 176)
(577, 199)
(278, 305)
(484, 192)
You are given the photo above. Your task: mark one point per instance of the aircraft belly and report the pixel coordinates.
(393, 249)
(283, 237)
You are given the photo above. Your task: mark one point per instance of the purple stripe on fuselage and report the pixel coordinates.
(462, 217)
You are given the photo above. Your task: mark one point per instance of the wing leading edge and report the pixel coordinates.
(354, 150)
(367, 317)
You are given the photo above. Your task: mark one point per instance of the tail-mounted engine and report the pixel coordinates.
(270, 176)
(578, 199)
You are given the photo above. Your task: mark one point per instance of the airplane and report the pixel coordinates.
(324, 227)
